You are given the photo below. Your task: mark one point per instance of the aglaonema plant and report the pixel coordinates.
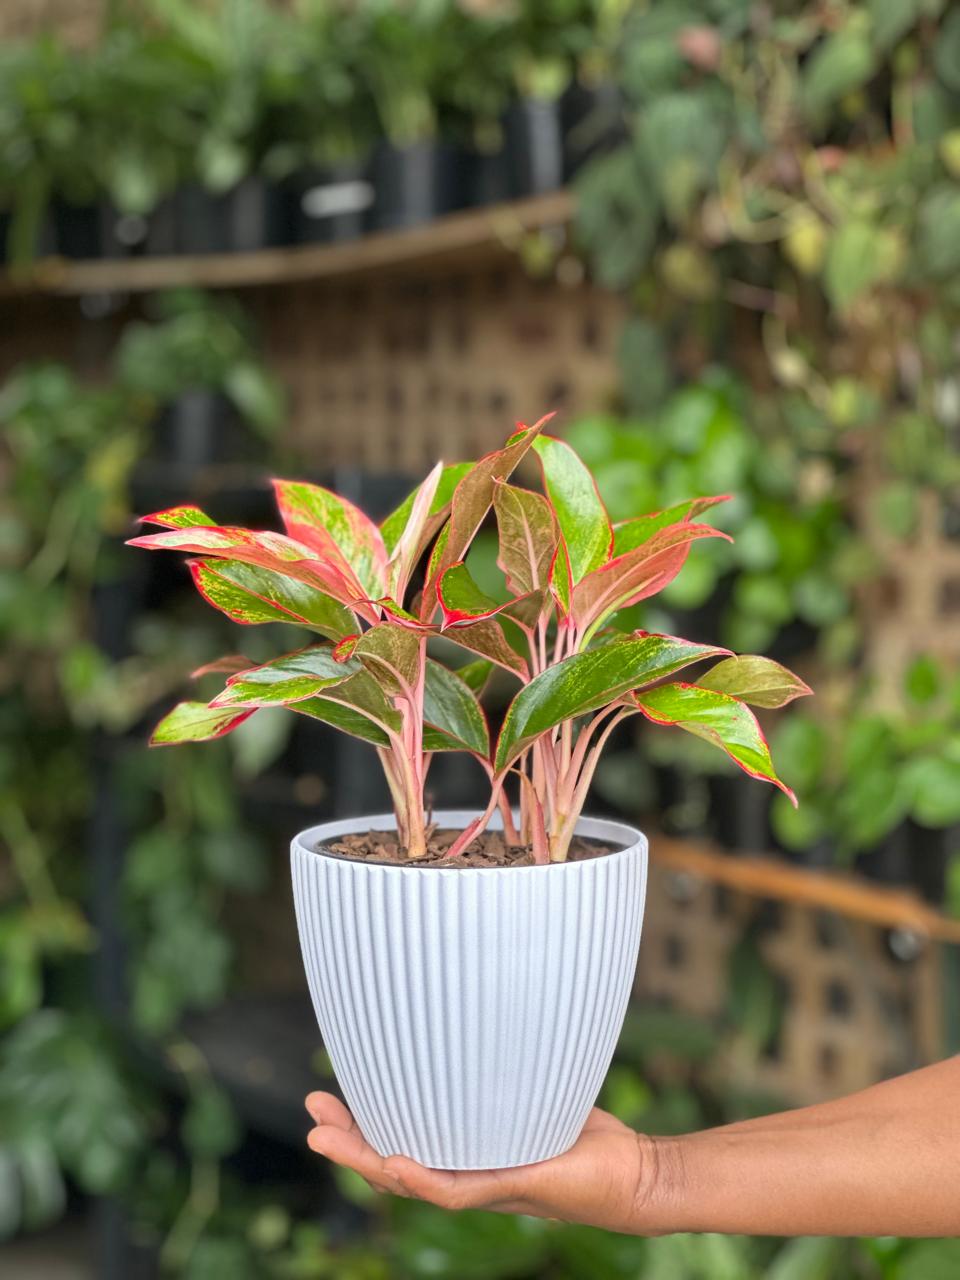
(568, 573)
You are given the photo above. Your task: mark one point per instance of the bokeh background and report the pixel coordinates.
(339, 241)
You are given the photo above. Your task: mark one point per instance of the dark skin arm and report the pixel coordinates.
(885, 1161)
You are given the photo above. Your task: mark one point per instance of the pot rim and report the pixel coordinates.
(608, 829)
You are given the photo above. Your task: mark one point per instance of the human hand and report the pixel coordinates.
(607, 1179)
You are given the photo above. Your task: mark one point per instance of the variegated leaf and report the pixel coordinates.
(250, 594)
(629, 534)
(288, 679)
(453, 719)
(264, 548)
(462, 602)
(391, 653)
(196, 722)
(587, 681)
(717, 718)
(635, 575)
(580, 513)
(528, 538)
(336, 529)
(759, 681)
(471, 501)
(179, 518)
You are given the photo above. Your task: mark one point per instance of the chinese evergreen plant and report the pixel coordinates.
(569, 572)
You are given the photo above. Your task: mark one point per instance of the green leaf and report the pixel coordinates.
(391, 653)
(635, 575)
(179, 518)
(528, 538)
(268, 550)
(930, 1260)
(587, 681)
(842, 63)
(759, 681)
(196, 722)
(938, 228)
(453, 717)
(934, 784)
(860, 255)
(249, 595)
(561, 579)
(471, 501)
(475, 675)
(335, 528)
(489, 640)
(946, 51)
(630, 534)
(717, 718)
(346, 716)
(890, 20)
(461, 600)
(581, 515)
(301, 674)
(398, 522)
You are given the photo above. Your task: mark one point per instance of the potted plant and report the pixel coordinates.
(415, 173)
(197, 364)
(327, 128)
(470, 971)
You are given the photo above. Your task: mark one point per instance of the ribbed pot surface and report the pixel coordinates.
(470, 1015)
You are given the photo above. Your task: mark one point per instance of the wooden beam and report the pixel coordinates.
(768, 877)
(491, 232)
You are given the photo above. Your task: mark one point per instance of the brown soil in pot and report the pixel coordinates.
(488, 850)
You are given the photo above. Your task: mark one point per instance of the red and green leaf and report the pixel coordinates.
(225, 666)
(407, 532)
(264, 548)
(561, 579)
(629, 534)
(462, 602)
(453, 718)
(588, 681)
(759, 681)
(196, 722)
(291, 678)
(489, 640)
(344, 716)
(337, 530)
(391, 653)
(179, 518)
(250, 595)
(636, 574)
(580, 513)
(471, 501)
(719, 719)
(528, 538)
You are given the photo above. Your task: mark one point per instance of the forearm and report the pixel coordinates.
(882, 1162)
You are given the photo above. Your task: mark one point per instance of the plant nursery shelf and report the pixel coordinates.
(472, 236)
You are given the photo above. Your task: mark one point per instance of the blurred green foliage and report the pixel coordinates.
(783, 216)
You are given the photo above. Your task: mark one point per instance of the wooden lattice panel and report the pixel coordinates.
(851, 1012)
(392, 376)
(76, 22)
(914, 607)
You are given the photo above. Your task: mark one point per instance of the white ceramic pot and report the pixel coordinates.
(470, 1015)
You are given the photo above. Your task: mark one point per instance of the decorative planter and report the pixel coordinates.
(470, 1015)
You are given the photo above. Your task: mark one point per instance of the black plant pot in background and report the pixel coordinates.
(487, 178)
(330, 204)
(413, 184)
(740, 813)
(99, 231)
(252, 216)
(201, 428)
(534, 142)
(592, 121)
